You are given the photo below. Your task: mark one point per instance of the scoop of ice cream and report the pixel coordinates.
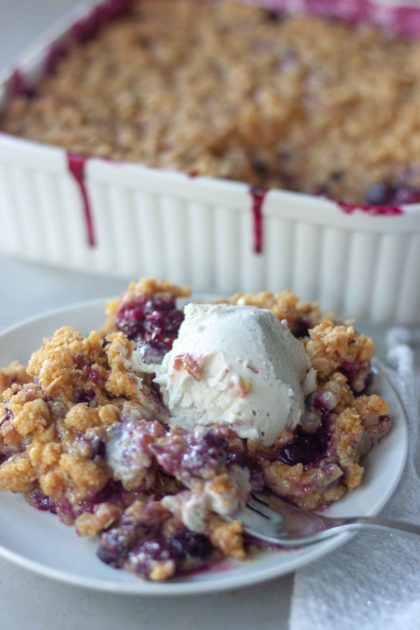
(237, 366)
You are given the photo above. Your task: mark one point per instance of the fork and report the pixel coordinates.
(273, 520)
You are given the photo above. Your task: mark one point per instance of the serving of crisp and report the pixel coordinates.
(150, 431)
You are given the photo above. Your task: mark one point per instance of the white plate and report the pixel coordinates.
(39, 542)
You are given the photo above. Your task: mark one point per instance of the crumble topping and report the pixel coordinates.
(331, 347)
(300, 316)
(83, 434)
(15, 373)
(298, 102)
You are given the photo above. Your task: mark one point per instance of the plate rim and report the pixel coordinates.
(174, 588)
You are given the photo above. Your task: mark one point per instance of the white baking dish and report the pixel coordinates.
(201, 231)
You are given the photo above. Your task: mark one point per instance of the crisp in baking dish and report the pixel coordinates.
(124, 218)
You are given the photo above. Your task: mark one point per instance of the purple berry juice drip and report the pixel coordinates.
(17, 85)
(405, 20)
(258, 196)
(88, 26)
(55, 52)
(76, 165)
(153, 322)
(373, 211)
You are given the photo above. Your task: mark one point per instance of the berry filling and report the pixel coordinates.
(152, 322)
(143, 557)
(116, 544)
(127, 546)
(85, 396)
(190, 545)
(384, 193)
(191, 455)
(90, 446)
(307, 448)
(245, 460)
(62, 508)
(302, 327)
(41, 502)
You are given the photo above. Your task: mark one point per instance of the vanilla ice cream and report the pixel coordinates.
(236, 366)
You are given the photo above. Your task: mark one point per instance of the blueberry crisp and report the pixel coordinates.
(303, 103)
(151, 431)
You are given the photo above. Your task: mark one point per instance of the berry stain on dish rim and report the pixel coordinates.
(258, 196)
(76, 165)
(402, 20)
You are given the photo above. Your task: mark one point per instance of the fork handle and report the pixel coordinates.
(376, 523)
(339, 525)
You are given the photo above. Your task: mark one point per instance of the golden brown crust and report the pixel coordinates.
(124, 381)
(336, 392)
(293, 482)
(80, 417)
(14, 373)
(17, 474)
(87, 477)
(46, 420)
(91, 524)
(331, 347)
(227, 537)
(285, 305)
(67, 362)
(162, 570)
